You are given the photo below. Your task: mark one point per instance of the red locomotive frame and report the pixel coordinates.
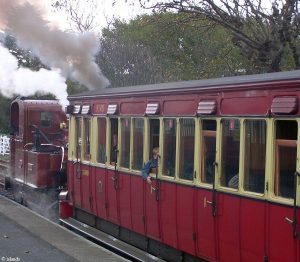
(189, 220)
(38, 154)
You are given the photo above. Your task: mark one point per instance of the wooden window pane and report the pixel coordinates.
(208, 150)
(255, 155)
(125, 141)
(101, 155)
(230, 152)
(138, 143)
(285, 157)
(187, 148)
(169, 156)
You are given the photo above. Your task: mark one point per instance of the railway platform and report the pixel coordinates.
(26, 236)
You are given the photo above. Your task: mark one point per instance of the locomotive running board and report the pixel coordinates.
(109, 242)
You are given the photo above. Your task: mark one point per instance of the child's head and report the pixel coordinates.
(155, 151)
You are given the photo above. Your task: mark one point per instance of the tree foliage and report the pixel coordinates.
(268, 36)
(160, 48)
(80, 14)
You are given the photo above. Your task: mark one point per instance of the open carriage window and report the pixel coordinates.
(255, 155)
(285, 157)
(46, 119)
(230, 153)
(154, 135)
(169, 155)
(125, 142)
(208, 150)
(101, 154)
(138, 143)
(113, 140)
(187, 148)
(87, 138)
(78, 139)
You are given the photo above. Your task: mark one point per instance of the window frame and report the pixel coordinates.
(243, 152)
(218, 184)
(96, 138)
(132, 142)
(178, 150)
(199, 150)
(272, 196)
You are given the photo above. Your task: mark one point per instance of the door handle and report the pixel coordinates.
(206, 202)
(290, 221)
(100, 186)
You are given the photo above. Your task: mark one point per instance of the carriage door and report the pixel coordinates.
(113, 173)
(283, 212)
(16, 142)
(206, 209)
(76, 194)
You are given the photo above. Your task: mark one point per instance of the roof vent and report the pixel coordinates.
(85, 109)
(112, 109)
(284, 105)
(152, 109)
(77, 109)
(207, 107)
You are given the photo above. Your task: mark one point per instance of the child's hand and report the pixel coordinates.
(149, 180)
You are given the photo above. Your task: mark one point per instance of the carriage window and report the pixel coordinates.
(87, 138)
(187, 142)
(154, 135)
(101, 156)
(138, 142)
(78, 123)
(169, 147)
(125, 140)
(113, 141)
(208, 150)
(285, 157)
(46, 118)
(230, 153)
(255, 155)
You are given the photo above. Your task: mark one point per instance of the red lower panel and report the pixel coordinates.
(86, 195)
(99, 192)
(124, 204)
(151, 210)
(71, 182)
(228, 225)
(252, 230)
(282, 246)
(112, 198)
(168, 213)
(77, 184)
(137, 204)
(205, 225)
(185, 219)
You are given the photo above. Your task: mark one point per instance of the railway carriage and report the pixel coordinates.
(227, 183)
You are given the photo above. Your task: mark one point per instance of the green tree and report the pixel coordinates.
(268, 36)
(161, 48)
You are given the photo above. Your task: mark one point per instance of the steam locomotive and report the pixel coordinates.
(38, 153)
(227, 183)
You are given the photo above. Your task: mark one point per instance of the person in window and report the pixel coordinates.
(152, 163)
(114, 149)
(234, 181)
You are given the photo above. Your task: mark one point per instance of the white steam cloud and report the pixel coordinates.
(23, 81)
(72, 54)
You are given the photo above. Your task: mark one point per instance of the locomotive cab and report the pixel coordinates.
(37, 143)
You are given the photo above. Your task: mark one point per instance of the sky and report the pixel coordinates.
(106, 12)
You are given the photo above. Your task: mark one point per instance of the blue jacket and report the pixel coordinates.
(153, 163)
